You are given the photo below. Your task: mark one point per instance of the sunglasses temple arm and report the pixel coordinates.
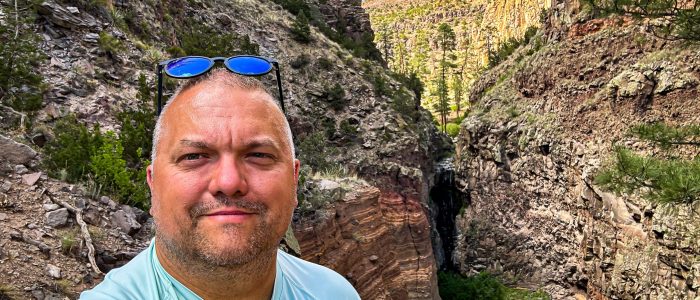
(279, 87)
(160, 89)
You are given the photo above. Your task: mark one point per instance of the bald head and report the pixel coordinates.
(218, 79)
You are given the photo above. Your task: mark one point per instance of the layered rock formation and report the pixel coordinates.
(535, 140)
(380, 240)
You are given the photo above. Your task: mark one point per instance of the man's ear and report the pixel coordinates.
(297, 166)
(149, 180)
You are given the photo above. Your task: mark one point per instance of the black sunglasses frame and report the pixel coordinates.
(161, 67)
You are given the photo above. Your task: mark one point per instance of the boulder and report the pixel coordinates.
(126, 221)
(54, 271)
(31, 179)
(57, 218)
(15, 152)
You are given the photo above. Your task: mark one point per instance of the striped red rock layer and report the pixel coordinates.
(379, 240)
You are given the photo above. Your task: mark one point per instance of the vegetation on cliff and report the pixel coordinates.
(676, 19)
(666, 177)
(21, 86)
(106, 162)
(482, 286)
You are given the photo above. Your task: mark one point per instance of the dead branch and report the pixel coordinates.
(83, 229)
(19, 236)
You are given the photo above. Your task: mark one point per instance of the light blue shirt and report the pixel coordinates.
(144, 278)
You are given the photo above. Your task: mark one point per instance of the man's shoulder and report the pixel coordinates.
(126, 282)
(314, 280)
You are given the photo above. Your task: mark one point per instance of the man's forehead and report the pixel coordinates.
(204, 107)
(212, 94)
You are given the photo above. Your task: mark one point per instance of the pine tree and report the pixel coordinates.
(446, 43)
(666, 179)
(681, 18)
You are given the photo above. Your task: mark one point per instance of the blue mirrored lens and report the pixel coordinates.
(188, 67)
(249, 65)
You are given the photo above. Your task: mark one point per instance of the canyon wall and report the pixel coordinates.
(543, 125)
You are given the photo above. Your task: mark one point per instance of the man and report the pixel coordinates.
(223, 182)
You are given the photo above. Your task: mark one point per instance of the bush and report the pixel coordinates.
(137, 125)
(479, 287)
(381, 86)
(405, 105)
(109, 44)
(112, 164)
(325, 63)
(680, 20)
(315, 152)
(301, 31)
(199, 39)
(176, 51)
(21, 86)
(300, 61)
(68, 155)
(453, 129)
(507, 48)
(336, 96)
(348, 130)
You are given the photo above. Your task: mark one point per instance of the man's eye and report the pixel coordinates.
(260, 156)
(192, 156)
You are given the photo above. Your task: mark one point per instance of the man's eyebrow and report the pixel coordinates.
(261, 142)
(194, 144)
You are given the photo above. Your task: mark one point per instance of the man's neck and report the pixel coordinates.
(254, 280)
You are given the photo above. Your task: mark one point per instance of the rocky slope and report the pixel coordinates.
(395, 153)
(544, 122)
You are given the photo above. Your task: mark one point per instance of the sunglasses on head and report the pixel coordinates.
(193, 66)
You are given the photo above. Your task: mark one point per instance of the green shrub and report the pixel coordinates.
(21, 86)
(176, 51)
(112, 175)
(483, 286)
(335, 96)
(405, 105)
(81, 154)
(314, 151)
(68, 155)
(347, 129)
(300, 61)
(381, 85)
(508, 47)
(200, 39)
(301, 31)
(453, 129)
(325, 63)
(109, 44)
(137, 125)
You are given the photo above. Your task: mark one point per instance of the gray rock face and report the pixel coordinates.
(534, 211)
(67, 17)
(14, 152)
(57, 218)
(126, 221)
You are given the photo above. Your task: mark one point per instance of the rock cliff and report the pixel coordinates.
(543, 124)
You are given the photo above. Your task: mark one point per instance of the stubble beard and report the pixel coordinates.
(192, 247)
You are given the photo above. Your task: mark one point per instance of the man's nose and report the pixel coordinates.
(229, 178)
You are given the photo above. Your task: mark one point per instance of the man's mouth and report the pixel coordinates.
(229, 215)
